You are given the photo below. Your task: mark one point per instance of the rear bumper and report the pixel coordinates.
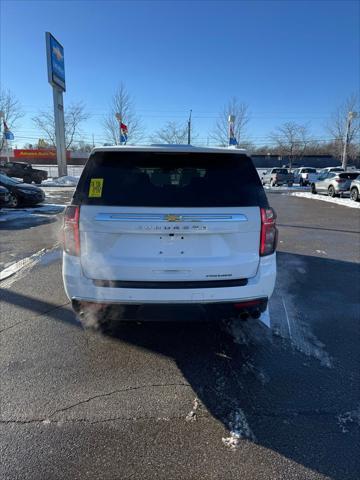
(80, 288)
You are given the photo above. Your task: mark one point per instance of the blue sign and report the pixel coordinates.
(56, 63)
(9, 135)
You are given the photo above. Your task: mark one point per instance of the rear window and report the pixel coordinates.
(349, 176)
(167, 179)
(280, 170)
(309, 170)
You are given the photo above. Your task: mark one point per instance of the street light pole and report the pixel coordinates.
(189, 128)
(351, 116)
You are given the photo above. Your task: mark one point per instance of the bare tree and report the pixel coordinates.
(12, 111)
(172, 132)
(292, 140)
(122, 104)
(337, 128)
(74, 116)
(242, 117)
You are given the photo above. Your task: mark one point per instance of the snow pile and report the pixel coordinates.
(68, 181)
(286, 188)
(346, 202)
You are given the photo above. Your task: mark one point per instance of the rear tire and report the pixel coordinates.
(331, 191)
(313, 189)
(13, 201)
(354, 194)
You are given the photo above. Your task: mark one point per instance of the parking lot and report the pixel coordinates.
(228, 400)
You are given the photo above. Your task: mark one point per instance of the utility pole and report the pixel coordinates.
(2, 116)
(189, 129)
(351, 116)
(93, 140)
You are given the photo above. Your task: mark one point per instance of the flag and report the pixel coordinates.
(123, 133)
(7, 134)
(232, 138)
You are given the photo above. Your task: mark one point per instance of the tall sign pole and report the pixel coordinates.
(56, 78)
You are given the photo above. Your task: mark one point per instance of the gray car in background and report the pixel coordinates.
(277, 176)
(334, 183)
(355, 189)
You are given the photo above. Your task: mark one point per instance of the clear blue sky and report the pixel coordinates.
(289, 60)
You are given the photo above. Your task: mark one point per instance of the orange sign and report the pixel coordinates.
(37, 153)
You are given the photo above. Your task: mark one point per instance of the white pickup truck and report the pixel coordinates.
(305, 175)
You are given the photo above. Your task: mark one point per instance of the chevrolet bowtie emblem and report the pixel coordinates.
(173, 218)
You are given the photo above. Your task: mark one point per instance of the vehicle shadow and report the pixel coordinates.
(23, 223)
(291, 391)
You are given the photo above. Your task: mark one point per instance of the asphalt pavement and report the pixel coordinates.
(232, 400)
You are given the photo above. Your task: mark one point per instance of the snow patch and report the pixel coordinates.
(346, 202)
(9, 274)
(239, 429)
(68, 180)
(23, 263)
(191, 416)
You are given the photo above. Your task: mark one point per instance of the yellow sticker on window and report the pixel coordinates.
(96, 186)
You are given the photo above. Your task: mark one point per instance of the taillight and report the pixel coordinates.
(340, 180)
(269, 233)
(71, 230)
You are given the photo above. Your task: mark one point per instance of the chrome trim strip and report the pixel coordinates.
(186, 217)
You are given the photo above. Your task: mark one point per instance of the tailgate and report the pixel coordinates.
(136, 243)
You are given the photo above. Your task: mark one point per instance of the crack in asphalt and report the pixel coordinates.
(35, 317)
(46, 421)
(108, 394)
(12, 326)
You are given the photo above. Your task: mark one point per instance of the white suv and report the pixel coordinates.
(153, 229)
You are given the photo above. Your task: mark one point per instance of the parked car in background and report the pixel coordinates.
(331, 169)
(334, 183)
(355, 189)
(4, 196)
(23, 170)
(277, 176)
(21, 193)
(305, 175)
(178, 228)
